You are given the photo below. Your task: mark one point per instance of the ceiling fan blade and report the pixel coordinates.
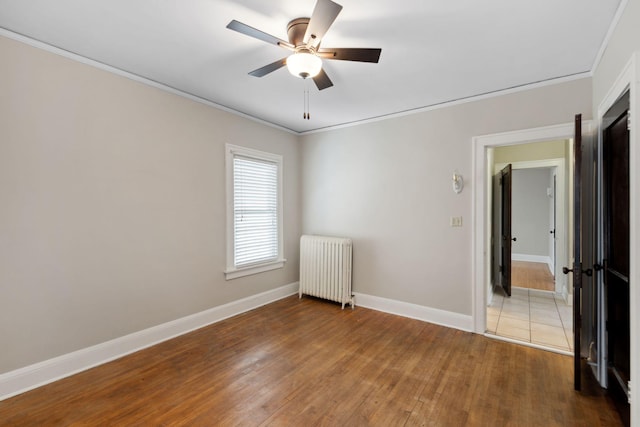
(322, 81)
(351, 54)
(257, 34)
(324, 13)
(263, 71)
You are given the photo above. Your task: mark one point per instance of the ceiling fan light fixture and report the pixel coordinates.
(304, 64)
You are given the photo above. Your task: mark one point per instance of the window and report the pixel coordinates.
(254, 211)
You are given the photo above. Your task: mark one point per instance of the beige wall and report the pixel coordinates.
(112, 200)
(387, 185)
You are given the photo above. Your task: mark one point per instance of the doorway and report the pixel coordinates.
(483, 163)
(533, 228)
(525, 302)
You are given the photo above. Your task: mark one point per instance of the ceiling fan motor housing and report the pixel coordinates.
(296, 30)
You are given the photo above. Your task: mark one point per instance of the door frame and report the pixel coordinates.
(481, 196)
(629, 80)
(562, 219)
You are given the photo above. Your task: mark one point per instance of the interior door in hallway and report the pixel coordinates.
(586, 302)
(506, 182)
(552, 232)
(578, 243)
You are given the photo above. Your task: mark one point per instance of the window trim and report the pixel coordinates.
(231, 271)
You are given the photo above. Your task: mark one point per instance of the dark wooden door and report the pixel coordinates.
(577, 251)
(552, 232)
(616, 256)
(505, 228)
(584, 291)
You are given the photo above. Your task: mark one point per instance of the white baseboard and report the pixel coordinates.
(39, 374)
(414, 311)
(544, 259)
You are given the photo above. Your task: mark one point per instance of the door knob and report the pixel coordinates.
(514, 239)
(598, 267)
(588, 271)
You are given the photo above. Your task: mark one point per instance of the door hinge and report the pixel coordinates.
(628, 119)
(629, 392)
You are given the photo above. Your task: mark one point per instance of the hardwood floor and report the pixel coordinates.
(307, 362)
(532, 275)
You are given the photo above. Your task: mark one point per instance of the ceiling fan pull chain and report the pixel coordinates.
(307, 90)
(305, 114)
(304, 100)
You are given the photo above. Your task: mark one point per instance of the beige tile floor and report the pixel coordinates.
(532, 316)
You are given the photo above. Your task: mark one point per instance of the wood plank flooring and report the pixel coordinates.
(532, 275)
(307, 362)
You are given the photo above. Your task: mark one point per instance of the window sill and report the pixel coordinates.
(234, 273)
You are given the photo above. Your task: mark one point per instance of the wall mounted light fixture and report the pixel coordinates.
(458, 182)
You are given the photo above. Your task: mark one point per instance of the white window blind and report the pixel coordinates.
(255, 211)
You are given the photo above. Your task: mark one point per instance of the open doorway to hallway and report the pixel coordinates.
(537, 311)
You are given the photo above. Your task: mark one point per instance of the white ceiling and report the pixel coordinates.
(432, 51)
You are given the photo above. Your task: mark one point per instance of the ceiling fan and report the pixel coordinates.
(305, 36)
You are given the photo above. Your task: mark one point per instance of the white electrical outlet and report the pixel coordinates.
(456, 221)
